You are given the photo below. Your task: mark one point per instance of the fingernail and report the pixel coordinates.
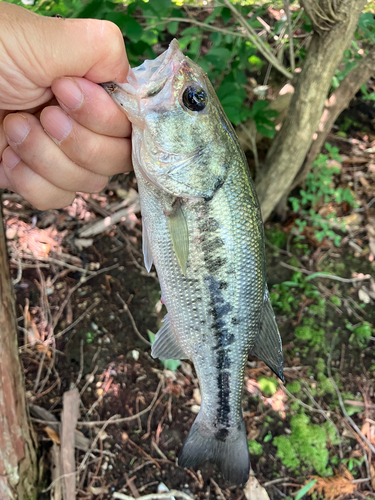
(10, 159)
(68, 93)
(56, 123)
(16, 128)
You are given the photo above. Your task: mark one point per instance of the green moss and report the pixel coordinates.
(335, 300)
(294, 387)
(309, 332)
(255, 448)
(268, 385)
(305, 449)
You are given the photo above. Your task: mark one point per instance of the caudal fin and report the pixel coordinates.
(229, 451)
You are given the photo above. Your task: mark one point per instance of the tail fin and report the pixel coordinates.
(229, 451)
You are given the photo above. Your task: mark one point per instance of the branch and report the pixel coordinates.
(260, 45)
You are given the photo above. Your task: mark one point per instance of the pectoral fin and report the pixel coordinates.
(268, 347)
(166, 345)
(147, 255)
(179, 234)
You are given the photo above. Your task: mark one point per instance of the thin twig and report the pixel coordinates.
(342, 406)
(205, 26)
(127, 310)
(291, 46)
(124, 419)
(323, 275)
(168, 495)
(258, 42)
(80, 318)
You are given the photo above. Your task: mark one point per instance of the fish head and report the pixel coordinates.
(184, 138)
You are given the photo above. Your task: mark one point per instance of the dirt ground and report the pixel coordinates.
(86, 305)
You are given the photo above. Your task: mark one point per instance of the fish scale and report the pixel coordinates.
(204, 234)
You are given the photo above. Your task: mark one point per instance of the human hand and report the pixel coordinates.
(50, 146)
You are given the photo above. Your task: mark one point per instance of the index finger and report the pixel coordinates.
(90, 105)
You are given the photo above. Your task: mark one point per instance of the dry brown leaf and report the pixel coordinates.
(53, 435)
(253, 490)
(44, 348)
(372, 475)
(333, 487)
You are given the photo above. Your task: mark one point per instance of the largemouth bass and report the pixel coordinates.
(203, 230)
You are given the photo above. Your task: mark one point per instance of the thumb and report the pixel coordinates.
(47, 48)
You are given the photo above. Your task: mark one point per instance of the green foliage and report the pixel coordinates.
(255, 448)
(169, 364)
(276, 237)
(268, 385)
(361, 333)
(285, 297)
(320, 188)
(311, 334)
(305, 449)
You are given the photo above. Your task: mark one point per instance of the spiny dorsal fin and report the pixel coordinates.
(146, 247)
(179, 234)
(166, 345)
(268, 347)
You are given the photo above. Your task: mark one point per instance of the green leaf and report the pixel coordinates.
(302, 492)
(195, 47)
(173, 27)
(133, 30)
(267, 132)
(216, 38)
(93, 9)
(220, 52)
(226, 15)
(192, 30)
(151, 336)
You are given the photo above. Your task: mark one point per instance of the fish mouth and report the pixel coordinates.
(150, 77)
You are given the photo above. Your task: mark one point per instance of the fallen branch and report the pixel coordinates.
(69, 420)
(104, 224)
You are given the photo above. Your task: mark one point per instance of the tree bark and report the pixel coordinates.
(334, 28)
(18, 462)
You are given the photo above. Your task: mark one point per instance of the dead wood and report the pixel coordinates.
(18, 463)
(69, 421)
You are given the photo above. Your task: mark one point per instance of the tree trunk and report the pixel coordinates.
(18, 463)
(334, 28)
(335, 105)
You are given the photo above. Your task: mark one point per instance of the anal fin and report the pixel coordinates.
(166, 345)
(268, 347)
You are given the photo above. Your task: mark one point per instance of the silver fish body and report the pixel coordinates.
(202, 229)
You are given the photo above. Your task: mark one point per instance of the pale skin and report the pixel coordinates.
(59, 131)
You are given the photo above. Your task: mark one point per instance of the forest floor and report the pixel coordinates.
(86, 304)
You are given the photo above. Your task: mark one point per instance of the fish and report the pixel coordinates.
(203, 231)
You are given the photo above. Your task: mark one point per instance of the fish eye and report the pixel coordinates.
(194, 98)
